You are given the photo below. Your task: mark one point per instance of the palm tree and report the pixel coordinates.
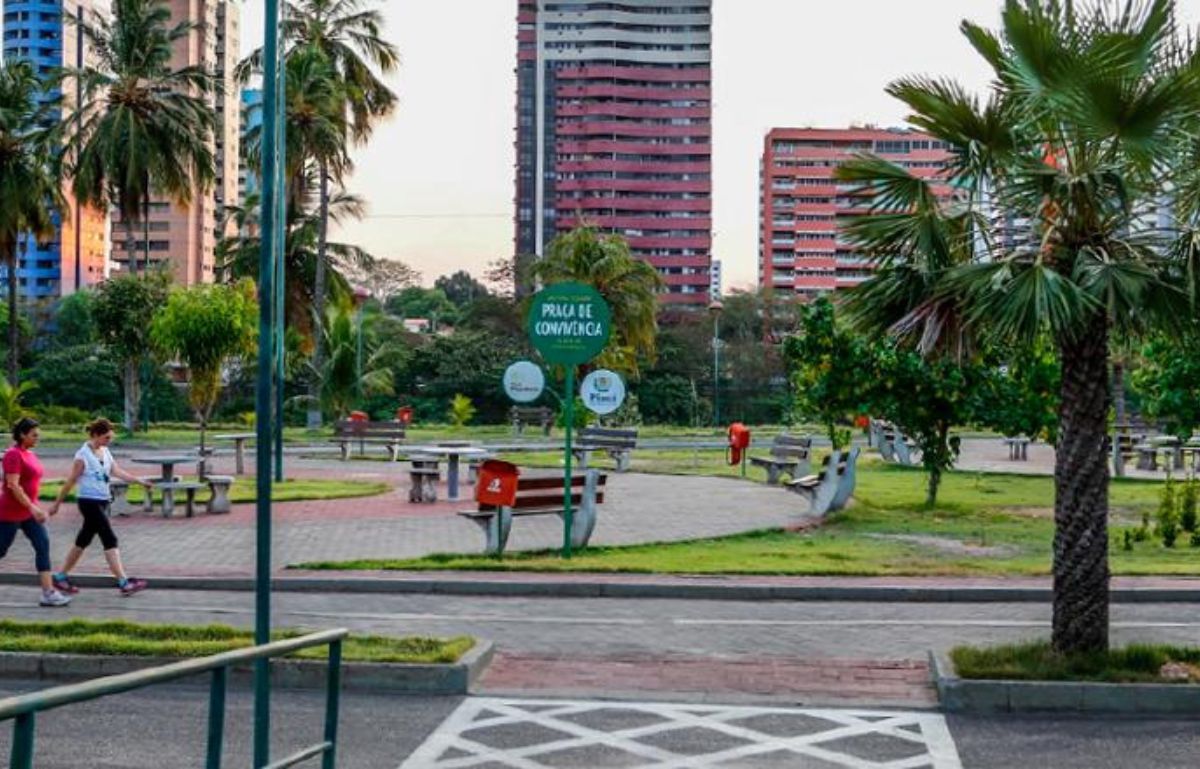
(29, 189)
(1088, 119)
(238, 256)
(341, 380)
(143, 126)
(628, 284)
(348, 33)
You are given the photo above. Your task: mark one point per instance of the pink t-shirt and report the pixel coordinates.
(25, 465)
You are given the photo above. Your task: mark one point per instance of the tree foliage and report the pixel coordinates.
(827, 361)
(124, 310)
(203, 327)
(1169, 381)
(626, 283)
(461, 288)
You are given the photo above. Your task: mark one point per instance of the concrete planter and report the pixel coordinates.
(394, 678)
(961, 695)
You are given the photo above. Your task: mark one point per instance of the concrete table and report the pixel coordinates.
(453, 455)
(167, 462)
(239, 448)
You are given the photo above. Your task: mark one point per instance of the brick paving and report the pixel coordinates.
(807, 681)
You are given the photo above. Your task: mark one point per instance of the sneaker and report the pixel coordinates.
(133, 585)
(65, 586)
(54, 598)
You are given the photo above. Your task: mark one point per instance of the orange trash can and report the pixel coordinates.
(497, 484)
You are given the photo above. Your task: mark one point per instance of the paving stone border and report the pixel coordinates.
(961, 695)
(393, 678)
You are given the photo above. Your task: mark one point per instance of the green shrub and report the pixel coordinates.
(1168, 517)
(62, 416)
(1187, 506)
(1128, 544)
(1195, 542)
(461, 410)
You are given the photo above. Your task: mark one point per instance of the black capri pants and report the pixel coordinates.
(95, 523)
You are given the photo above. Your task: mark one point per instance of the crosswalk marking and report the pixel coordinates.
(556, 734)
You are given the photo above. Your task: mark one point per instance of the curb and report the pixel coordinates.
(482, 586)
(959, 695)
(378, 677)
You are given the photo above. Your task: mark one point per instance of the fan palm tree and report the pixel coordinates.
(1084, 133)
(142, 125)
(29, 189)
(628, 284)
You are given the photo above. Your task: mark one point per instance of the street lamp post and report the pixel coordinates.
(715, 309)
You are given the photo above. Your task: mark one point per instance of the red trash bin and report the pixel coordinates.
(739, 442)
(404, 415)
(358, 416)
(497, 484)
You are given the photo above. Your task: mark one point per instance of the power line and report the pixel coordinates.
(479, 215)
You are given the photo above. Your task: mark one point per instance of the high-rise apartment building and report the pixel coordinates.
(185, 237)
(800, 202)
(614, 129)
(38, 31)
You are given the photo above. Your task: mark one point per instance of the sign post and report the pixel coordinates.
(569, 324)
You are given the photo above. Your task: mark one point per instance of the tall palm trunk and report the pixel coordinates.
(314, 388)
(1118, 380)
(1081, 495)
(10, 259)
(132, 385)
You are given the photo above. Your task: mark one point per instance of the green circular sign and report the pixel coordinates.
(569, 323)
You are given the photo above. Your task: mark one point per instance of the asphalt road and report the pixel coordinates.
(165, 726)
(630, 626)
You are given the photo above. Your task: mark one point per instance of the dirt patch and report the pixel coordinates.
(953, 546)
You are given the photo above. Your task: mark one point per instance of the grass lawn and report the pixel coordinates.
(984, 524)
(133, 639)
(1037, 662)
(244, 490)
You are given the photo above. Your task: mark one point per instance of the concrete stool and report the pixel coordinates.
(219, 501)
(120, 498)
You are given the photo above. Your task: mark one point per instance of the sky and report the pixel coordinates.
(438, 175)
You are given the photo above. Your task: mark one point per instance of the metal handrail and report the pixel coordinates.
(22, 708)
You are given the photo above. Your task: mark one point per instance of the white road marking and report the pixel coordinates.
(844, 739)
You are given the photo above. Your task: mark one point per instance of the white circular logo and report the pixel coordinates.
(524, 381)
(602, 391)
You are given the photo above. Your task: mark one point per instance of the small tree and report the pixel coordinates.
(1169, 380)
(124, 309)
(12, 406)
(924, 398)
(827, 361)
(461, 410)
(202, 328)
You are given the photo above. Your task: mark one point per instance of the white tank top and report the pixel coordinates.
(93, 484)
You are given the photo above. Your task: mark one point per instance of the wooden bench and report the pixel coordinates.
(543, 495)
(618, 443)
(1018, 448)
(189, 489)
(830, 490)
(523, 416)
(390, 435)
(424, 473)
(789, 455)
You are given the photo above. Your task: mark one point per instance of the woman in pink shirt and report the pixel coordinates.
(19, 509)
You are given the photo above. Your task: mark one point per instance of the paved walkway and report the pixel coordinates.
(637, 509)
